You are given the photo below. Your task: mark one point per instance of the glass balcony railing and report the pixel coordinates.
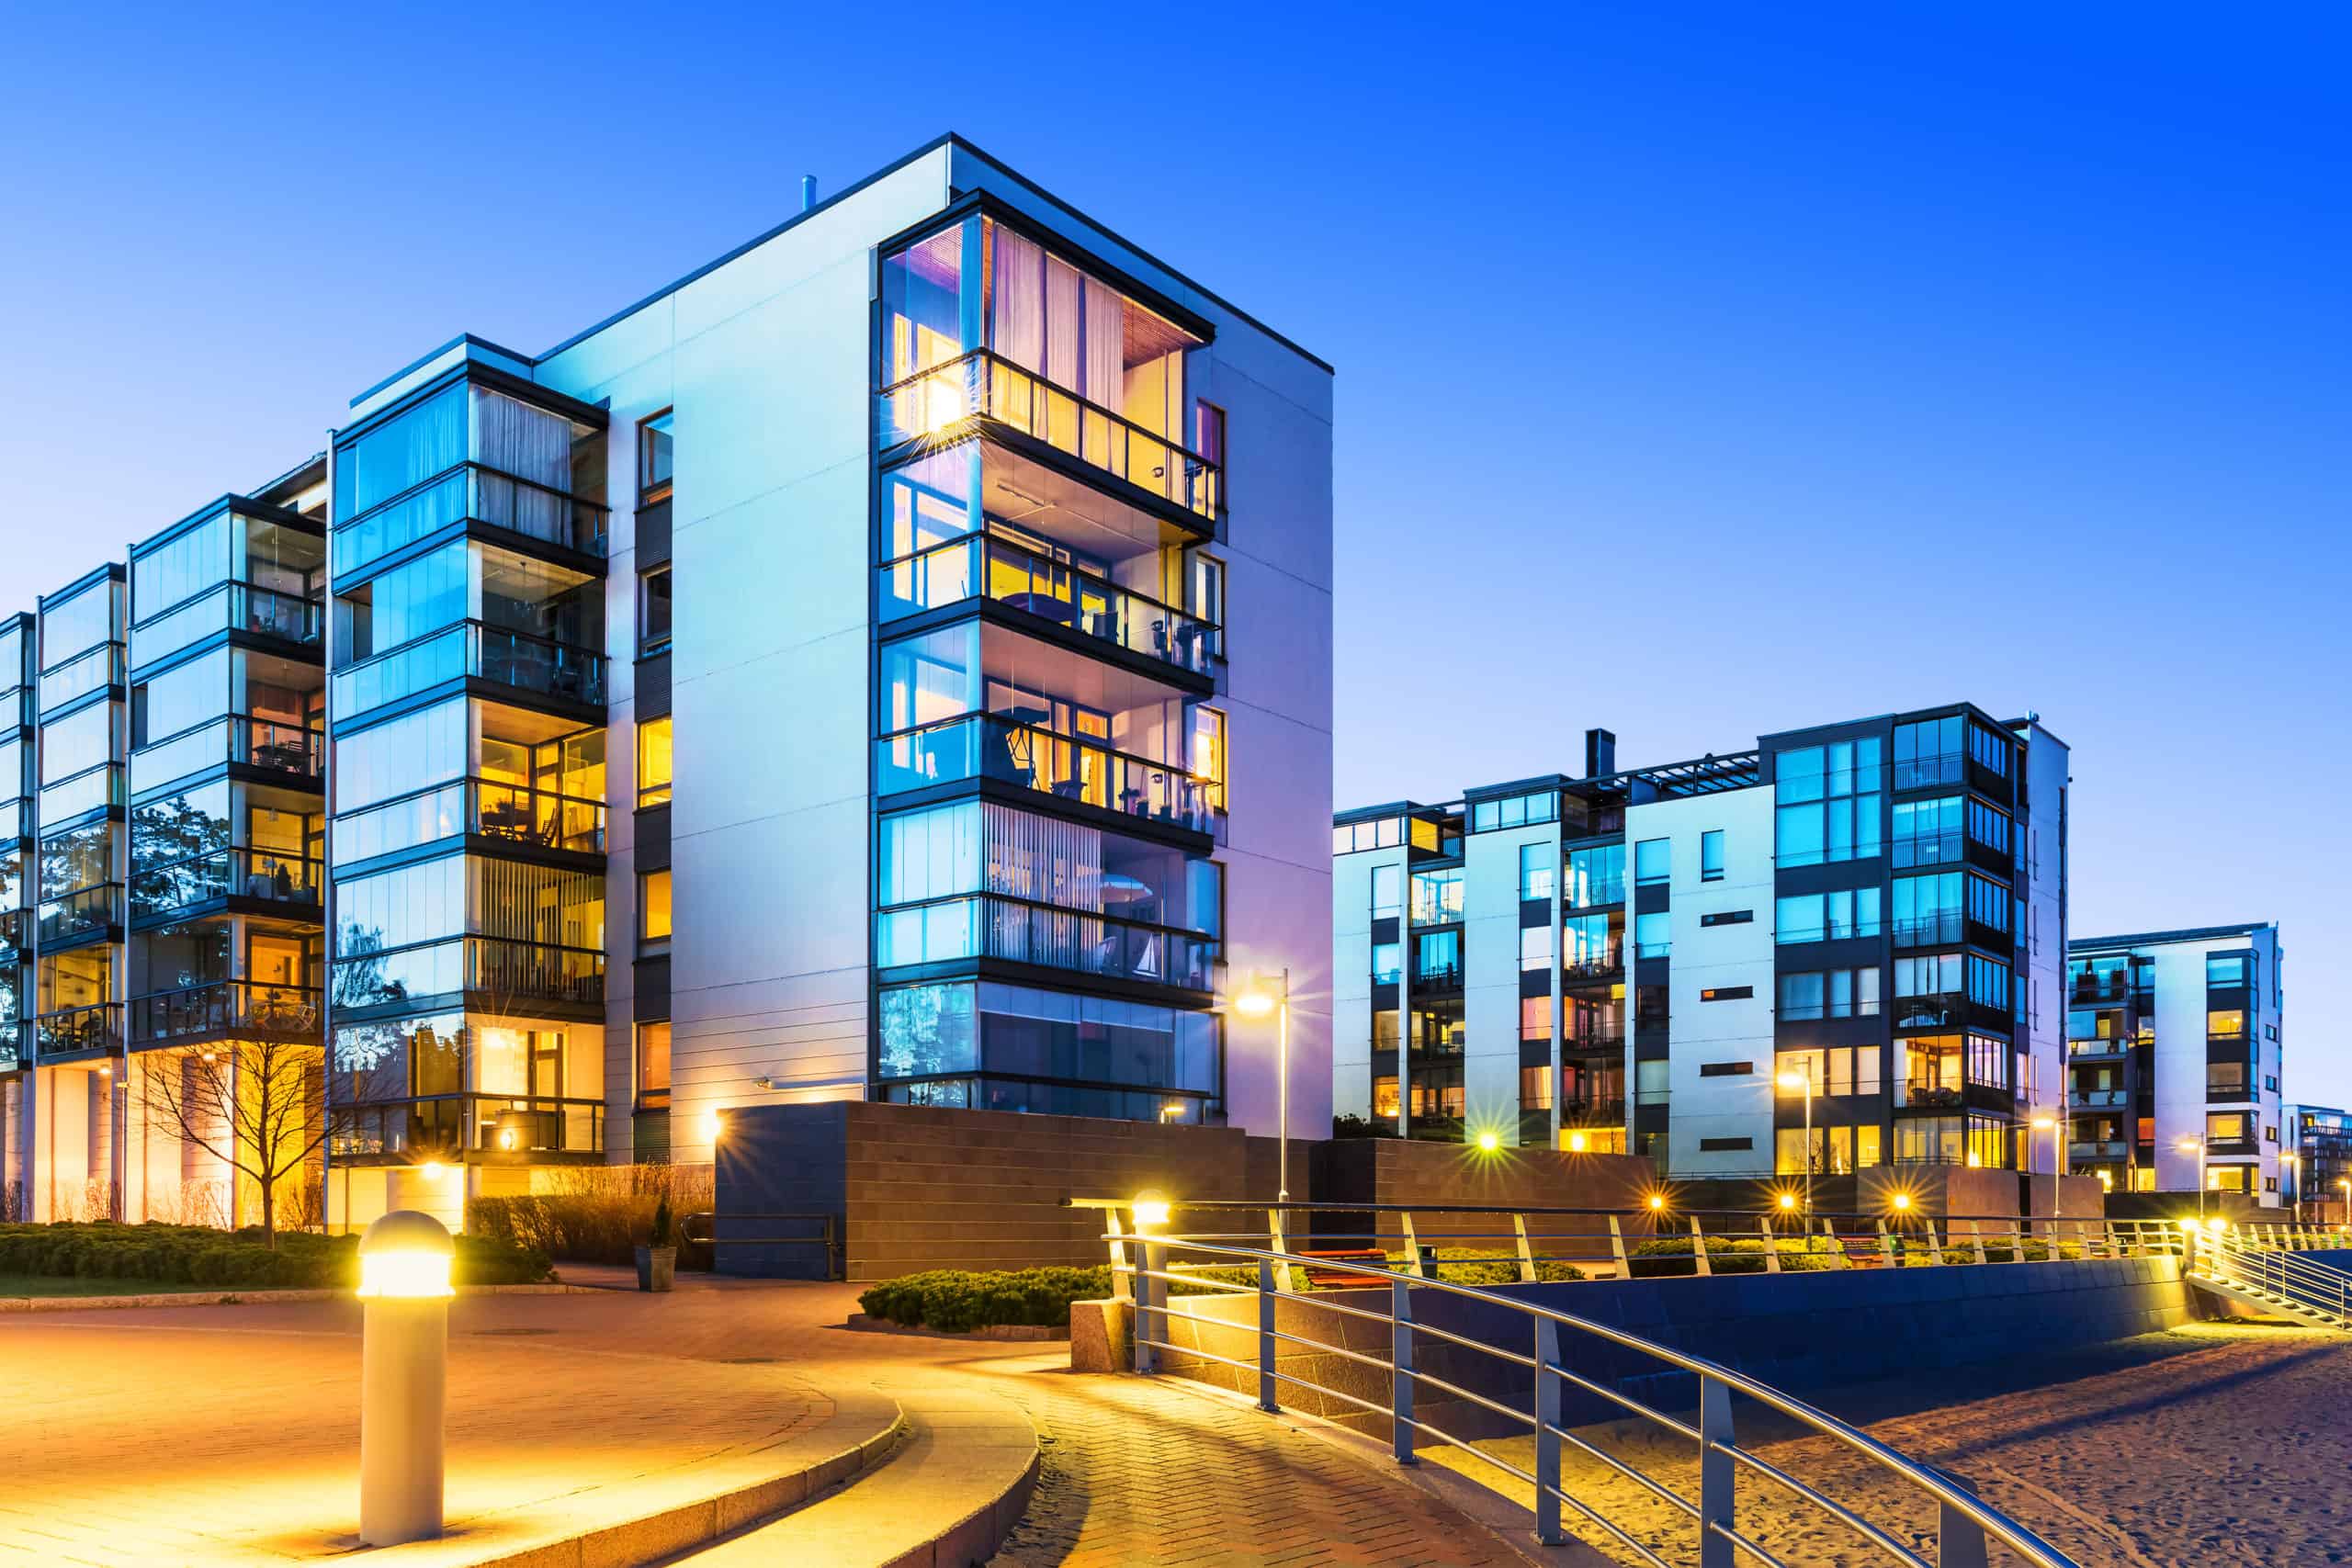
(14, 824)
(12, 1046)
(983, 567)
(95, 670)
(1594, 893)
(294, 749)
(1928, 771)
(988, 925)
(471, 494)
(73, 915)
(477, 649)
(97, 1028)
(2098, 1148)
(450, 1124)
(984, 746)
(1438, 978)
(15, 931)
(1929, 931)
(1596, 965)
(271, 876)
(2102, 1098)
(226, 1009)
(233, 606)
(2099, 1047)
(502, 972)
(494, 810)
(934, 403)
(1935, 1094)
(101, 785)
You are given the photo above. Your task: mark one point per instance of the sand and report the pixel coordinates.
(2211, 1445)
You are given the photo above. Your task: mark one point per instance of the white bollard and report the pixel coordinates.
(404, 1375)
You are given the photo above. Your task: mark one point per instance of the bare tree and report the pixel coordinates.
(252, 1104)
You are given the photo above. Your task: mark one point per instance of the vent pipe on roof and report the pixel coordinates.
(1600, 754)
(808, 192)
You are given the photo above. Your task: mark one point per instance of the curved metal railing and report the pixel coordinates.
(2316, 1288)
(1964, 1522)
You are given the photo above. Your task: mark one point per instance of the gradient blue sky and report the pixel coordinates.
(1698, 376)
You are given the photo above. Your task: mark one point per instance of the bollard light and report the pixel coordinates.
(404, 1262)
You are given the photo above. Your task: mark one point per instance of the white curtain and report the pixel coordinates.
(514, 438)
(1017, 302)
(1045, 859)
(1106, 348)
(1063, 290)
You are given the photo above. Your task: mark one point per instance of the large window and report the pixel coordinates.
(1388, 902)
(1926, 832)
(1827, 916)
(653, 911)
(1597, 875)
(1387, 964)
(1927, 909)
(1652, 861)
(1837, 1070)
(1832, 993)
(1928, 753)
(986, 1027)
(653, 457)
(1827, 803)
(1437, 895)
(1517, 811)
(410, 752)
(1711, 855)
(653, 1066)
(1652, 934)
(1535, 948)
(653, 762)
(1537, 863)
(653, 610)
(1438, 959)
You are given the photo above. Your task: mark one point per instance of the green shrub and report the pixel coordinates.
(1485, 1266)
(584, 1227)
(958, 1301)
(1669, 1256)
(197, 1255)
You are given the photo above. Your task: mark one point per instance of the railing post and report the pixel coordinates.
(1151, 1318)
(1699, 1251)
(1771, 1245)
(1526, 1252)
(1266, 1399)
(1976, 1240)
(1412, 1246)
(1617, 1247)
(1400, 1359)
(1717, 1476)
(1935, 1247)
(1547, 1432)
(1274, 1218)
(1886, 1246)
(1123, 1284)
(1838, 1258)
(1959, 1541)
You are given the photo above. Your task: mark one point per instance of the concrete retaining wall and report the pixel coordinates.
(1800, 1333)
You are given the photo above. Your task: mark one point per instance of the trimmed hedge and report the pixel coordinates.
(197, 1255)
(1486, 1266)
(1669, 1256)
(585, 1227)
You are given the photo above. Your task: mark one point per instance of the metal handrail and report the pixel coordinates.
(1964, 1523)
(2315, 1287)
(826, 1236)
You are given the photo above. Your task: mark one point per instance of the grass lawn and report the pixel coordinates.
(70, 1285)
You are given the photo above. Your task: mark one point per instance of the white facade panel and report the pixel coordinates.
(1490, 943)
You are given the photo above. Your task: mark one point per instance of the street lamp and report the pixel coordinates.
(2196, 1146)
(1256, 1002)
(1791, 1082)
(2294, 1186)
(2345, 1186)
(2049, 1124)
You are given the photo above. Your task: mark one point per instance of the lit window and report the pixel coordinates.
(654, 909)
(653, 762)
(652, 1066)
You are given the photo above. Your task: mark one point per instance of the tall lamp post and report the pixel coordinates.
(1256, 1002)
(2345, 1186)
(2048, 1124)
(2294, 1186)
(2196, 1146)
(1791, 1082)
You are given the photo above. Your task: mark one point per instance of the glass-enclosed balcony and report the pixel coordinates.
(979, 320)
(70, 916)
(100, 668)
(532, 665)
(994, 926)
(985, 746)
(290, 881)
(997, 569)
(939, 404)
(501, 971)
(470, 453)
(232, 606)
(73, 1029)
(226, 1009)
(518, 813)
(448, 1126)
(296, 751)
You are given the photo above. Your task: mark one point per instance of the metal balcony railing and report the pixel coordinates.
(937, 403)
(226, 1009)
(985, 567)
(273, 876)
(479, 650)
(488, 807)
(78, 914)
(238, 606)
(450, 1125)
(95, 1028)
(471, 492)
(294, 750)
(989, 925)
(1065, 767)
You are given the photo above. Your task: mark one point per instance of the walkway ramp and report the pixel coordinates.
(2272, 1284)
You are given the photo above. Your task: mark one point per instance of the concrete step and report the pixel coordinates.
(945, 1497)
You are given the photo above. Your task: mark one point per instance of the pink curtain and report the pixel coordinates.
(1017, 309)
(1106, 348)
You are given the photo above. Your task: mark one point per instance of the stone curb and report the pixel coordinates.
(1019, 1333)
(257, 1296)
(672, 1533)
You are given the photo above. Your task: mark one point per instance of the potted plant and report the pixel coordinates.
(657, 1262)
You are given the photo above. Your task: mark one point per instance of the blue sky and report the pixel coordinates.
(1698, 376)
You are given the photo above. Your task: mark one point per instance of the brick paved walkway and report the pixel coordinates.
(230, 1434)
(1138, 1471)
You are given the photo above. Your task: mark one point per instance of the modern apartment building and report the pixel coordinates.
(988, 743)
(2172, 1044)
(1629, 959)
(2318, 1143)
